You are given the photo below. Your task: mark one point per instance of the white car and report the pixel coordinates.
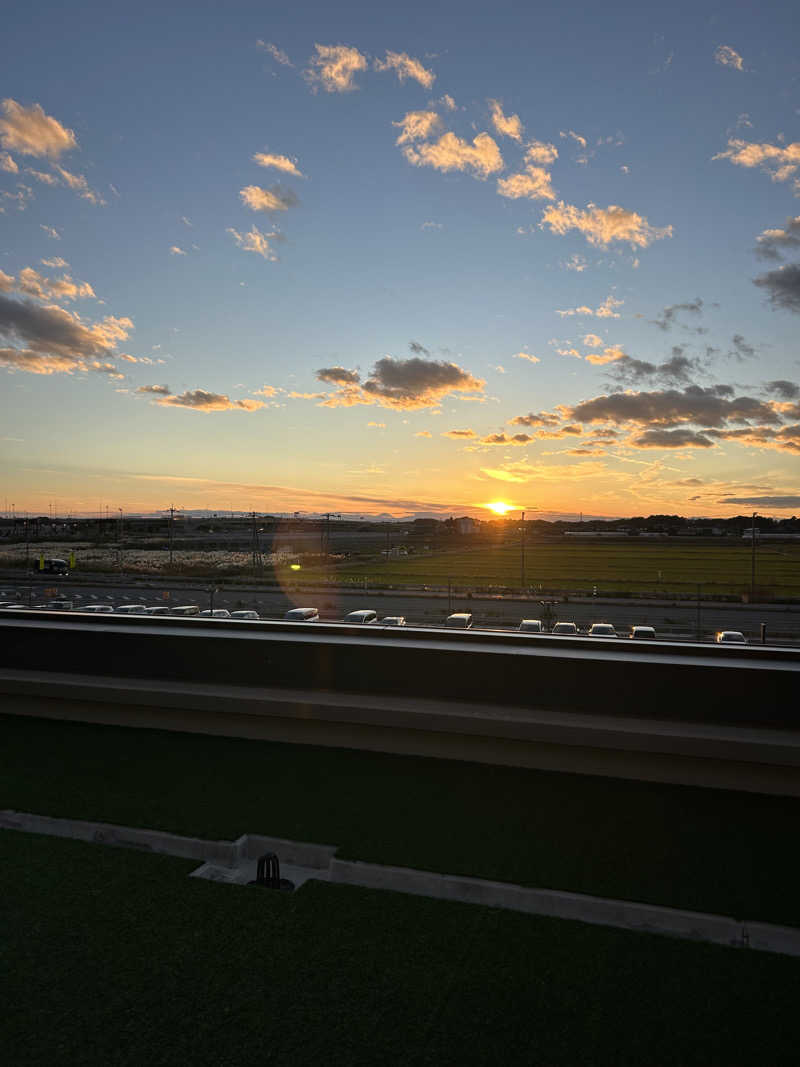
(98, 609)
(159, 609)
(461, 620)
(646, 633)
(185, 609)
(394, 620)
(302, 615)
(531, 626)
(130, 609)
(565, 629)
(362, 617)
(245, 616)
(217, 613)
(602, 629)
(730, 637)
(12, 607)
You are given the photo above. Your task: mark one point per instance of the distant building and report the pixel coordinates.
(466, 525)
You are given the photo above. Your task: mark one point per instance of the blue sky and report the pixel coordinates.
(449, 190)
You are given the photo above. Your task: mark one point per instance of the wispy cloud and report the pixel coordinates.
(606, 310)
(781, 162)
(775, 243)
(533, 184)
(604, 226)
(506, 125)
(728, 57)
(334, 67)
(29, 131)
(79, 184)
(406, 67)
(51, 231)
(274, 199)
(197, 399)
(278, 162)
(256, 241)
(459, 434)
(528, 356)
(481, 158)
(176, 251)
(277, 54)
(417, 126)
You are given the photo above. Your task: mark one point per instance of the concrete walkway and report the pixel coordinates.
(234, 862)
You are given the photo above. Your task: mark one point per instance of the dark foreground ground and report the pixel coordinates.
(115, 958)
(707, 850)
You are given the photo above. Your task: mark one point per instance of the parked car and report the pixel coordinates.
(362, 617)
(130, 609)
(461, 620)
(394, 620)
(531, 626)
(158, 609)
(51, 566)
(60, 605)
(217, 613)
(12, 607)
(244, 616)
(185, 609)
(643, 633)
(302, 615)
(602, 629)
(565, 629)
(730, 637)
(98, 609)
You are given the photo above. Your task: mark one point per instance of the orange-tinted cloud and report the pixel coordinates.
(406, 67)
(533, 184)
(505, 125)
(417, 126)
(451, 153)
(334, 68)
(603, 226)
(29, 131)
(278, 162)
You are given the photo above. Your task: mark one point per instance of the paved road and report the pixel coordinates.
(783, 623)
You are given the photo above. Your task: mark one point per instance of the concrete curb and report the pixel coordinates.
(231, 862)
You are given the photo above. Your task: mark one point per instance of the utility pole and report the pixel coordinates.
(753, 559)
(171, 517)
(522, 554)
(256, 545)
(119, 532)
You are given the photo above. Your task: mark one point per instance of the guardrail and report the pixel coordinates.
(752, 684)
(723, 716)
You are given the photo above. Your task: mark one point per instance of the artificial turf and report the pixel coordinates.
(706, 850)
(117, 958)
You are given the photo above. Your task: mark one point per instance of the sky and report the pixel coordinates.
(400, 260)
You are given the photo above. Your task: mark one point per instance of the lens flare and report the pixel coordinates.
(499, 507)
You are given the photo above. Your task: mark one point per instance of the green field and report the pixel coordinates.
(699, 849)
(638, 566)
(119, 958)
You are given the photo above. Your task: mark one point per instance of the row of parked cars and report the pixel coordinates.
(464, 621)
(368, 617)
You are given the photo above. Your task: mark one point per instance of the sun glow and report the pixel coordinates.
(499, 507)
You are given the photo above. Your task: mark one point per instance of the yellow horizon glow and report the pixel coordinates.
(499, 507)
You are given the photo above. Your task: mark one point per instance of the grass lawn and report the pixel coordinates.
(116, 958)
(706, 850)
(633, 566)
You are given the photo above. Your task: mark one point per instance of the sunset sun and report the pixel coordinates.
(499, 507)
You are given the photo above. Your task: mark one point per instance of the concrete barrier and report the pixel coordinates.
(231, 862)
